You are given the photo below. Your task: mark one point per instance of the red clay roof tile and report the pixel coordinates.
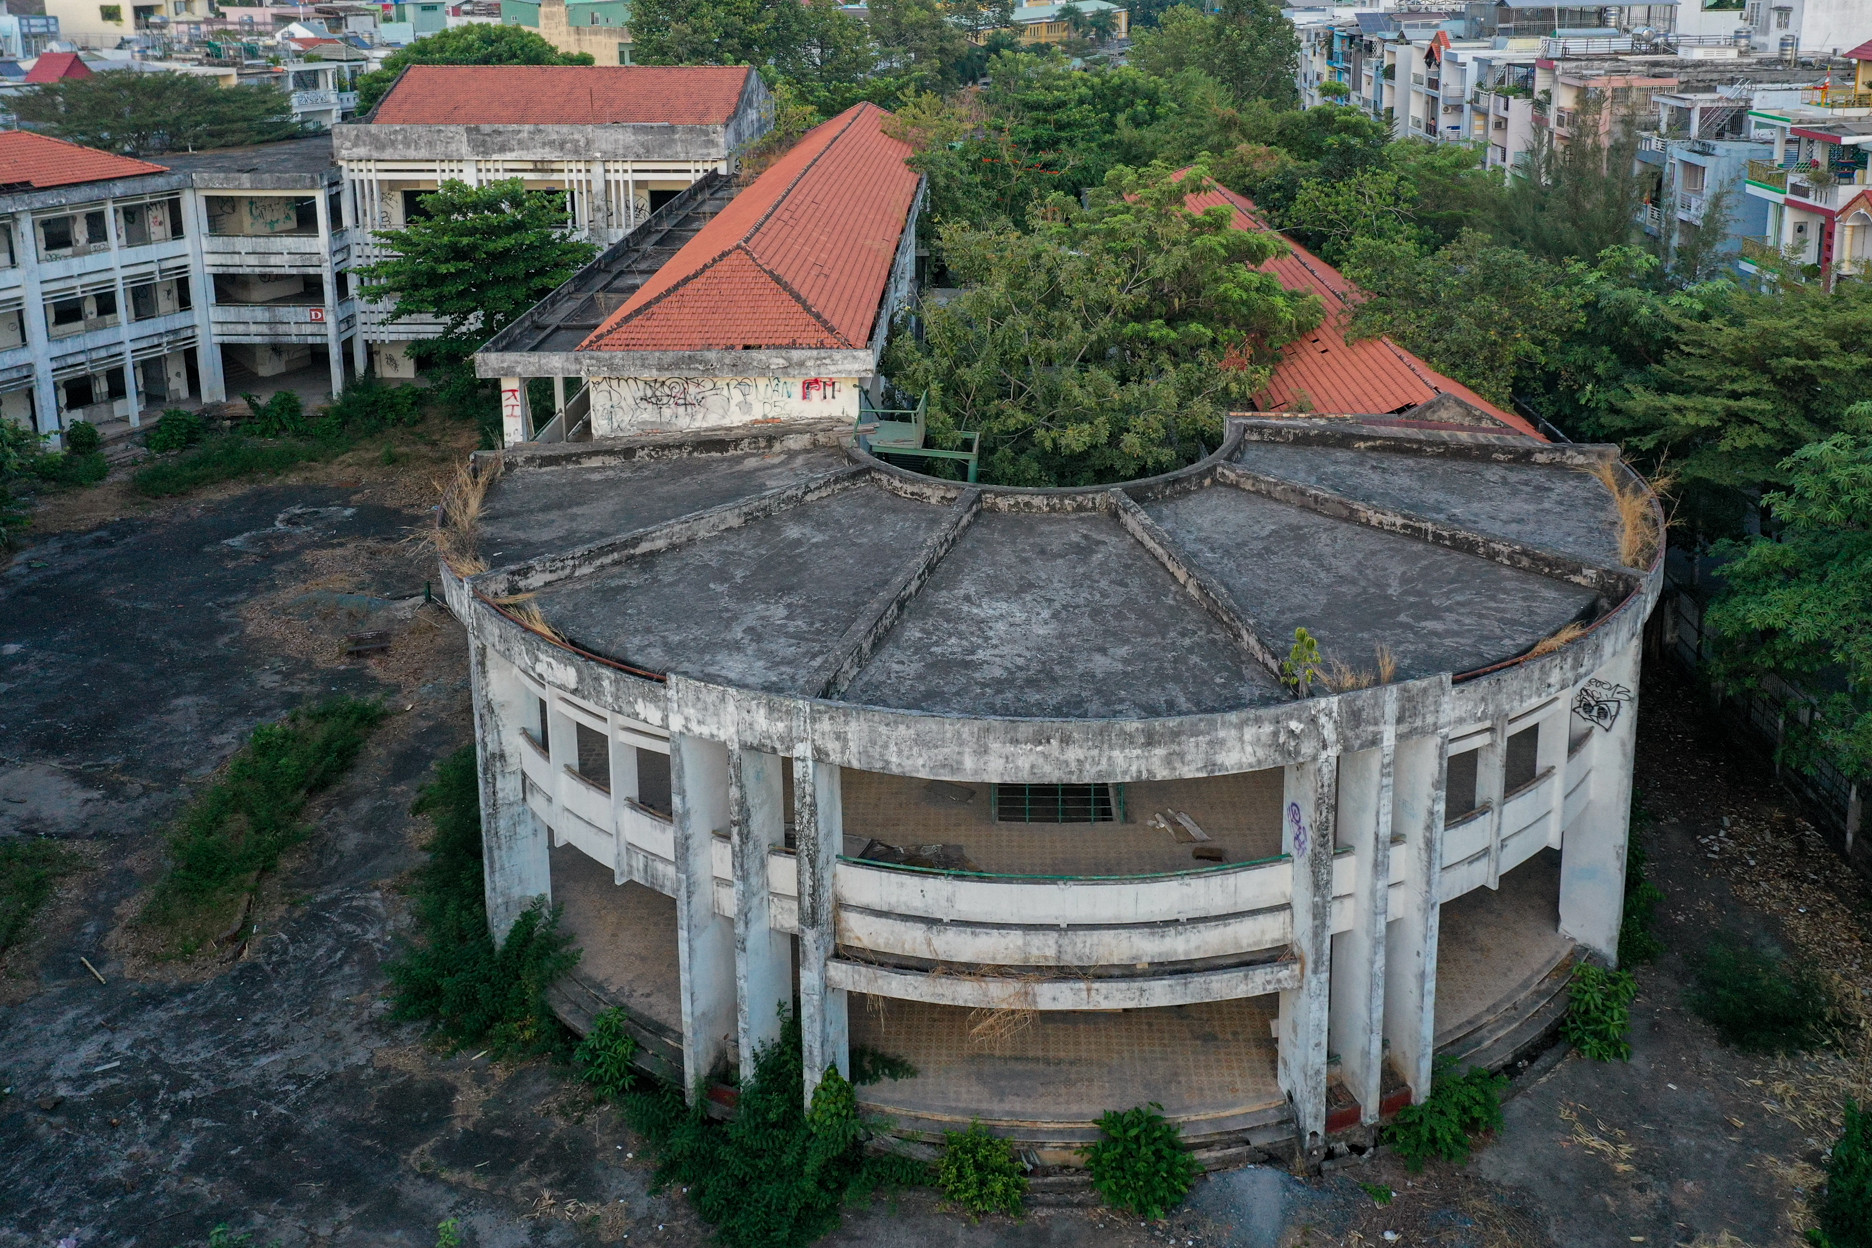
(1323, 371)
(55, 66)
(563, 95)
(798, 259)
(35, 160)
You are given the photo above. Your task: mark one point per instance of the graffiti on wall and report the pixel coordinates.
(628, 404)
(1599, 702)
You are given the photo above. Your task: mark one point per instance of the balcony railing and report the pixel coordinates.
(1651, 143)
(1692, 206)
(1760, 251)
(310, 101)
(1651, 216)
(1845, 98)
(1767, 173)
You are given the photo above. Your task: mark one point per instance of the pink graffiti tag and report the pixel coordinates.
(1299, 829)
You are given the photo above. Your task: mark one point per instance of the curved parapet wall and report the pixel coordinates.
(776, 610)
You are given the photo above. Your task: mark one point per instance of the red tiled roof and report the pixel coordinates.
(563, 95)
(28, 159)
(1323, 371)
(798, 259)
(1862, 53)
(54, 66)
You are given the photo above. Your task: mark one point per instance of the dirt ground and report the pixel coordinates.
(140, 643)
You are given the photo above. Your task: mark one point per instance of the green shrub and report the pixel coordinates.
(20, 448)
(979, 1172)
(82, 438)
(282, 416)
(224, 459)
(869, 1066)
(175, 429)
(368, 406)
(241, 824)
(456, 980)
(1637, 945)
(1138, 1163)
(71, 467)
(29, 869)
(1459, 1108)
(1598, 1018)
(1759, 1003)
(776, 1175)
(605, 1055)
(1845, 1204)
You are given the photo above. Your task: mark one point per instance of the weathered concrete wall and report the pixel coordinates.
(630, 405)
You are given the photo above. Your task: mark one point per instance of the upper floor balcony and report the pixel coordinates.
(1768, 173)
(296, 252)
(1825, 188)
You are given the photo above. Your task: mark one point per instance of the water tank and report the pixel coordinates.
(1790, 44)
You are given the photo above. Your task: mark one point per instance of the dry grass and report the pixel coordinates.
(457, 534)
(1639, 535)
(1609, 1147)
(1341, 676)
(523, 609)
(1554, 641)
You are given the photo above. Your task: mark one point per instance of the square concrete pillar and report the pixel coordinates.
(515, 858)
(1356, 1032)
(1592, 856)
(705, 940)
(1307, 835)
(763, 957)
(819, 834)
(1419, 770)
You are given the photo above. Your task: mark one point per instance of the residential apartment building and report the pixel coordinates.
(600, 27)
(617, 141)
(128, 286)
(1813, 177)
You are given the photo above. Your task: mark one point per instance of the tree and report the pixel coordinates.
(718, 32)
(124, 110)
(1800, 607)
(1574, 202)
(1374, 204)
(925, 46)
(1246, 45)
(1107, 342)
(478, 43)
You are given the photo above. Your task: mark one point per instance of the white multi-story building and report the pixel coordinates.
(128, 286)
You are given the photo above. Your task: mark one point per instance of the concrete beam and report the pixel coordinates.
(763, 956)
(764, 362)
(1214, 598)
(1353, 434)
(705, 941)
(1614, 583)
(873, 624)
(1070, 992)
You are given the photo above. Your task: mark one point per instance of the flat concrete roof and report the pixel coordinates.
(789, 562)
(259, 166)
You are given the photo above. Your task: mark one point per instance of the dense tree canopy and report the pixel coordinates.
(478, 43)
(125, 110)
(1246, 45)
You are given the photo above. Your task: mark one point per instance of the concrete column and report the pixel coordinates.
(559, 402)
(328, 286)
(513, 411)
(1356, 1032)
(1307, 835)
(33, 323)
(1417, 796)
(1592, 859)
(201, 291)
(819, 834)
(705, 941)
(763, 957)
(133, 396)
(1491, 788)
(515, 862)
(623, 792)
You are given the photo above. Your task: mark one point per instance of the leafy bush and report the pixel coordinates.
(82, 438)
(29, 868)
(175, 429)
(1138, 1163)
(776, 1175)
(456, 980)
(605, 1055)
(71, 467)
(20, 448)
(1458, 1109)
(979, 1172)
(223, 459)
(241, 824)
(1845, 1205)
(368, 406)
(1598, 1019)
(282, 416)
(1759, 1003)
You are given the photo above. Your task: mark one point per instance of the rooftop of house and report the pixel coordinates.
(563, 95)
(1024, 13)
(307, 161)
(31, 161)
(800, 258)
(57, 66)
(1325, 371)
(753, 557)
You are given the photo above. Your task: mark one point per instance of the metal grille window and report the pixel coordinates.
(594, 757)
(1058, 803)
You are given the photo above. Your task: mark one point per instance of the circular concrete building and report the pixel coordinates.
(1023, 786)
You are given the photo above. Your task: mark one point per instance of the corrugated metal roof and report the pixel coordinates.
(799, 259)
(563, 95)
(35, 160)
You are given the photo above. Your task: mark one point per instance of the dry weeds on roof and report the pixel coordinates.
(1640, 536)
(457, 533)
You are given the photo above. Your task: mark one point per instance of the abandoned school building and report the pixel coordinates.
(1011, 783)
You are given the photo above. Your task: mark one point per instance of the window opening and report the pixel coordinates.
(1522, 761)
(1057, 803)
(1459, 785)
(541, 737)
(653, 781)
(594, 756)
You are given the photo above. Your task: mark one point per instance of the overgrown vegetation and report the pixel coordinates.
(1844, 1207)
(139, 113)
(1761, 1002)
(455, 979)
(777, 1173)
(30, 868)
(1598, 1017)
(1459, 1108)
(870, 1066)
(175, 429)
(237, 828)
(979, 1172)
(1637, 943)
(605, 1055)
(1138, 1164)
